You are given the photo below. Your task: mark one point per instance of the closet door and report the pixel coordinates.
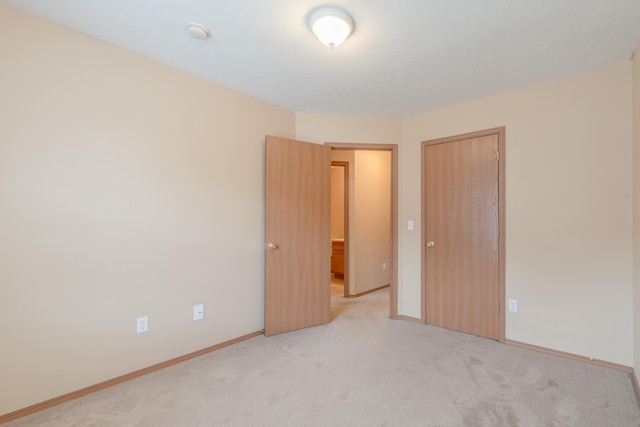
(461, 234)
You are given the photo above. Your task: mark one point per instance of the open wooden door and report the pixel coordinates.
(298, 235)
(463, 247)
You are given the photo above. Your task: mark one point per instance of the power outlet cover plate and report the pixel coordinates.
(142, 324)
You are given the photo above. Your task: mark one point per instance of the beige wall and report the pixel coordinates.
(127, 188)
(636, 208)
(321, 128)
(337, 202)
(568, 211)
(372, 219)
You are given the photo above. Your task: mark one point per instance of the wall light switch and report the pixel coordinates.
(410, 225)
(513, 305)
(198, 312)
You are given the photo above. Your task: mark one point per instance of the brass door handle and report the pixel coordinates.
(272, 246)
(430, 244)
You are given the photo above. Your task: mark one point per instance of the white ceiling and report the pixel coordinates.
(404, 57)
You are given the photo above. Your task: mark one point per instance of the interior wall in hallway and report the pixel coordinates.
(372, 219)
(337, 202)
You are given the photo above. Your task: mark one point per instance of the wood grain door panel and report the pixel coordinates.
(297, 221)
(461, 202)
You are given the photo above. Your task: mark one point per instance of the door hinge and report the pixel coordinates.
(498, 155)
(499, 307)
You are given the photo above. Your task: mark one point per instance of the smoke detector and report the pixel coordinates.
(197, 31)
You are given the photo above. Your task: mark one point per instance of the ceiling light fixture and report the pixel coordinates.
(197, 31)
(331, 25)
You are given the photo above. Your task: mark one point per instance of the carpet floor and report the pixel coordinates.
(362, 369)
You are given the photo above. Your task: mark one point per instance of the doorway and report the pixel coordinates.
(356, 250)
(339, 227)
(463, 239)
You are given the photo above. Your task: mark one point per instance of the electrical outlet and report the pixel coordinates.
(513, 305)
(142, 324)
(198, 312)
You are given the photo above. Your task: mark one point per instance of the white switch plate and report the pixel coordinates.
(410, 224)
(142, 324)
(198, 312)
(513, 305)
(384, 266)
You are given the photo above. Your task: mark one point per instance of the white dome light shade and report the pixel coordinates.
(332, 26)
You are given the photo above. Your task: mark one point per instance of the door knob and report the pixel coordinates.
(430, 244)
(272, 246)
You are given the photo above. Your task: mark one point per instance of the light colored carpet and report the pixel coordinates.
(362, 369)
